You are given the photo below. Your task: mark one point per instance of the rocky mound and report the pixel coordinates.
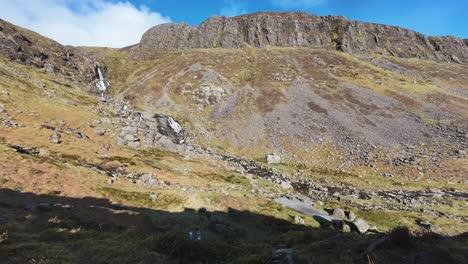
(301, 30)
(26, 47)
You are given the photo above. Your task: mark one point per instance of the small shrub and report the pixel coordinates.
(401, 237)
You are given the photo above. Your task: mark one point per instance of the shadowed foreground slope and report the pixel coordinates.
(54, 229)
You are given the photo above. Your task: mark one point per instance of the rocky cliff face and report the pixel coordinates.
(301, 30)
(29, 48)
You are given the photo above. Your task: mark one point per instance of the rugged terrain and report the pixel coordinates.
(264, 138)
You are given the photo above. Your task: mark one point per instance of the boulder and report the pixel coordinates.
(131, 138)
(129, 130)
(299, 220)
(26, 150)
(345, 228)
(154, 196)
(424, 223)
(286, 185)
(361, 226)
(283, 256)
(351, 216)
(339, 213)
(272, 158)
(209, 94)
(100, 131)
(44, 153)
(49, 68)
(56, 138)
(167, 126)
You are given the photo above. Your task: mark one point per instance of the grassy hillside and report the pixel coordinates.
(381, 137)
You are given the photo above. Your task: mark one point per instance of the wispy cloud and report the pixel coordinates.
(290, 4)
(232, 8)
(83, 22)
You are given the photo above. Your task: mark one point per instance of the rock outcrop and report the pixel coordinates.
(29, 48)
(299, 29)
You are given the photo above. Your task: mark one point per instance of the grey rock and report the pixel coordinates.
(26, 150)
(100, 131)
(131, 138)
(272, 158)
(169, 127)
(361, 225)
(338, 213)
(154, 196)
(194, 235)
(56, 138)
(345, 228)
(122, 141)
(299, 220)
(209, 94)
(424, 223)
(49, 68)
(129, 130)
(302, 205)
(283, 256)
(351, 216)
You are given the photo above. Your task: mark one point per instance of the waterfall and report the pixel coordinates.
(101, 83)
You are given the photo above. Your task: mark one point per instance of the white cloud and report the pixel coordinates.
(231, 9)
(83, 22)
(290, 4)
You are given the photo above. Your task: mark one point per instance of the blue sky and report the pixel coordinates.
(118, 23)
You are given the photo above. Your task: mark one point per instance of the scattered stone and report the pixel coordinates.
(424, 223)
(76, 133)
(338, 213)
(300, 204)
(361, 225)
(56, 138)
(286, 185)
(131, 138)
(110, 181)
(345, 228)
(272, 158)
(167, 126)
(100, 131)
(26, 150)
(106, 147)
(299, 220)
(194, 235)
(209, 94)
(283, 256)
(49, 68)
(154, 197)
(44, 153)
(129, 130)
(351, 216)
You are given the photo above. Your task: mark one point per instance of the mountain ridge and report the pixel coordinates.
(300, 29)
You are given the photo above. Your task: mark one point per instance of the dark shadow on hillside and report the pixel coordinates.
(53, 229)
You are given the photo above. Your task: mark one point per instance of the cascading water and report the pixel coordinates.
(101, 83)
